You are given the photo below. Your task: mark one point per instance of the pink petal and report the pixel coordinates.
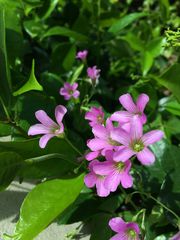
(103, 168)
(74, 86)
(60, 111)
(45, 119)
(120, 236)
(38, 129)
(112, 181)
(120, 136)
(117, 224)
(76, 94)
(136, 130)
(101, 190)
(91, 155)
(97, 144)
(123, 155)
(90, 180)
(44, 140)
(63, 91)
(100, 132)
(109, 155)
(146, 157)
(143, 118)
(152, 137)
(127, 103)
(121, 116)
(142, 101)
(67, 86)
(109, 125)
(126, 180)
(176, 237)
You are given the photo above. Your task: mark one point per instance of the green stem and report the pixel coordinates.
(72, 145)
(5, 109)
(148, 195)
(19, 129)
(130, 201)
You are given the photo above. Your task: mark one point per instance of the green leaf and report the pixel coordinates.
(5, 79)
(62, 31)
(10, 162)
(31, 84)
(43, 204)
(70, 58)
(125, 21)
(48, 8)
(155, 46)
(99, 226)
(77, 73)
(146, 62)
(171, 79)
(134, 41)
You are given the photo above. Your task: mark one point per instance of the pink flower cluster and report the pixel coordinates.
(117, 144)
(69, 91)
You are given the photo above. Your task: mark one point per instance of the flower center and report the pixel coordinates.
(120, 166)
(99, 119)
(131, 233)
(70, 92)
(113, 142)
(137, 146)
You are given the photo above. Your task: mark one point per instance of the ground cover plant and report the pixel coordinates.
(89, 110)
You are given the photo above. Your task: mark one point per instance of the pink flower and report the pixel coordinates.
(95, 116)
(135, 143)
(132, 109)
(103, 141)
(93, 73)
(82, 54)
(92, 179)
(69, 91)
(47, 126)
(176, 237)
(125, 231)
(115, 172)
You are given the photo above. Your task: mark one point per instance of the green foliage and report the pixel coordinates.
(137, 52)
(47, 200)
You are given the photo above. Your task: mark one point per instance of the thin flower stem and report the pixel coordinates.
(148, 195)
(5, 110)
(72, 145)
(130, 201)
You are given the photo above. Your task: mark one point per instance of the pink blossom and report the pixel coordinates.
(125, 231)
(47, 126)
(95, 116)
(82, 54)
(92, 179)
(93, 73)
(69, 91)
(135, 143)
(176, 237)
(115, 172)
(102, 140)
(132, 109)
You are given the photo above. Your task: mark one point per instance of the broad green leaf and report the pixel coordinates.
(10, 162)
(172, 107)
(125, 21)
(171, 80)
(31, 84)
(43, 204)
(34, 28)
(5, 79)
(134, 41)
(146, 62)
(155, 46)
(62, 31)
